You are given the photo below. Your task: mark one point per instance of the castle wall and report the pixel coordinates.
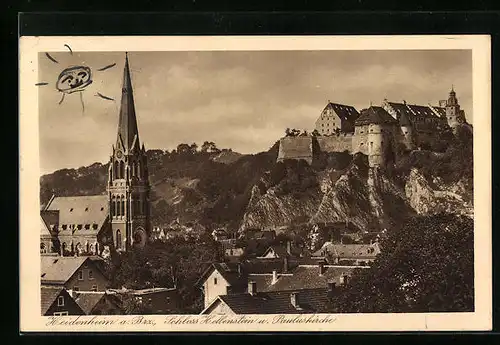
(296, 148)
(360, 140)
(336, 143)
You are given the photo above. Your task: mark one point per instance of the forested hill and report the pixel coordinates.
(199, 184)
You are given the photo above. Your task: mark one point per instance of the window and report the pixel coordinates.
(61, 313)
(87, 226)
(94, 288)
(80, 275)
(70, 210)
(102, 208)
(80, 226)
(60, 301)
(94, 226)
(42, 248)
(76, 288)
(215, 281)
(118, 239)
(86, 209)
(64, 226)
(91, 274)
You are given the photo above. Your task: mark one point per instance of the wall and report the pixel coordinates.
(335, 143)
(212, 290)
(296, 148)
(360, 140)
(86, 283)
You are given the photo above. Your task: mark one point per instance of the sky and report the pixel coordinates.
(239, 100)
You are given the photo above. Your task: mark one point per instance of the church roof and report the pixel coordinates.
(128, 134)
(374, 115)
(91, 210)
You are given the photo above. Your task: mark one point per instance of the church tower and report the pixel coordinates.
(454, 115)
(128, 181)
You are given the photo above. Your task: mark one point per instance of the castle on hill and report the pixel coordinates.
(376, 131)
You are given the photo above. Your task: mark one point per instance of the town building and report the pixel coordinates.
(98, 303)
(56, 301)
(305, 301)
(156, 300)
(85, 225)
(79, 273)
(348, 254)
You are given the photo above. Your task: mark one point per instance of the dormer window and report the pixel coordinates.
(80, 226)
(64, 226)
(94, 226)
(102, 208)
(87, 226)
(71, 210)
(86, 209)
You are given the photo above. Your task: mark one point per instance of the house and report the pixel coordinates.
(221, 279)
(80, 273)
(336, 117)
(352, 254)
(305, 301)
(98, 303)
(158, 300)
(231, 248)
(280, 251)
(55, 300)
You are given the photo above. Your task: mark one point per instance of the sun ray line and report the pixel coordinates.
(106, 67)
(105, 97)
(51, 58)
(67, 46)
(81, 100)
(62, 98)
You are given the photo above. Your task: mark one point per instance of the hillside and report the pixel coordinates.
(248, 191)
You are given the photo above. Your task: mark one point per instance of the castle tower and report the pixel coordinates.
(454, 115)
(128, 181)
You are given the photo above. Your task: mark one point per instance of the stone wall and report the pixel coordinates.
(335, 143)
(296, 148)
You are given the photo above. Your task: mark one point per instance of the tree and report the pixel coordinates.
(209, 146)
(427, 265)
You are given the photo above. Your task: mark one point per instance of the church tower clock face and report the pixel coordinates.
(119, 154)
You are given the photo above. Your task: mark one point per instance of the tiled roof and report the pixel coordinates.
(80, 210)
(278, 302)
(374, 115)
(267, 265)
(51, 220)
(281, 251)
(412, 110)
(48, 296)
(57, 270)
(44, 230)
(88, 300)
(344, 112)
(349, 251)
(308, 277)
(229, 271)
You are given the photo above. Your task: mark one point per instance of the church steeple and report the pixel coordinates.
(128, 182)
(128, 135)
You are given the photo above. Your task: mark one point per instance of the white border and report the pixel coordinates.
(481, 319)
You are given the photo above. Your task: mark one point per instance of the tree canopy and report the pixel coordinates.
(427, 265)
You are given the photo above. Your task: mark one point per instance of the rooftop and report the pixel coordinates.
(374, 115)
(58, 270)
(48, 296)
(86, 213)
(349, 251)
(344, 112)
(278, 302)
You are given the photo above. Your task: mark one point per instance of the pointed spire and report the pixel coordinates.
(127, 125)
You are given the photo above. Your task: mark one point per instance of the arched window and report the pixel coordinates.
(87, 247)
(115, 170)
(122, 169)
(139, 174)
(133, 168)
(118, 239)
(91, 249)
(122, 206)
(42, 248)
(64, 247)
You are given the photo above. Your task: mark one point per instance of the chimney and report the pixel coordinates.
(321, 268)
(275, 277)
(252, 288)
(404, 102)
(285, 264)
(288, 247)
(294, 299)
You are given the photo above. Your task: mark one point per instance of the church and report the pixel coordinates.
(119, 220)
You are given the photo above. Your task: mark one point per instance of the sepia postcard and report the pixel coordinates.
(312, 183)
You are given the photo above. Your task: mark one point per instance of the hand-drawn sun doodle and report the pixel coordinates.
(75, 79)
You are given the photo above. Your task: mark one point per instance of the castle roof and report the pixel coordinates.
(91, 210)
(412, 111)
(374, 115)
(344, 112)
